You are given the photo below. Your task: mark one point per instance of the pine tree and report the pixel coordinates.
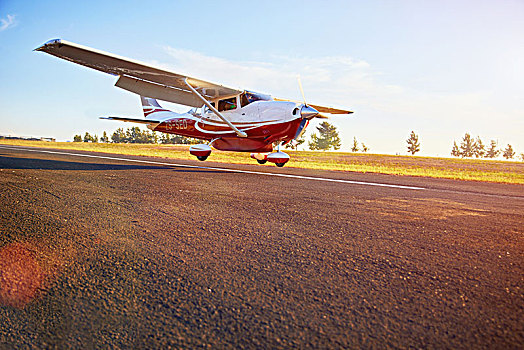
(455, 152)
(492, 152)
(88, 137)
(413, 144)
(328, 138)
(479, 150)
(355, 145)
(119, 136)
(104, 138)
(466, 147)
(508, 152)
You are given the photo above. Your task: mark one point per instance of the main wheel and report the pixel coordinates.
(280, 165)
(202, 158)
(261, 161)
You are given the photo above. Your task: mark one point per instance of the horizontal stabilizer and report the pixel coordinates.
(133, 120)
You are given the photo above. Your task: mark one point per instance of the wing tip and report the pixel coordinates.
(48, 43)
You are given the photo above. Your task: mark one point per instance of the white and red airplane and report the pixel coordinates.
(229, 119)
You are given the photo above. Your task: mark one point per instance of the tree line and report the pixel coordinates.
(325, 138)
(136, 135)
(470, 148)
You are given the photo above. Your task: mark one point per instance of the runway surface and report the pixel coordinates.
(101, 250)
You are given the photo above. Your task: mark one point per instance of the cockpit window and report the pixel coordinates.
(227, 104)
(248, 97)
(244, 100)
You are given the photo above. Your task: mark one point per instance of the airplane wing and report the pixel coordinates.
(146, 80)
(321, 109)
(138, 77)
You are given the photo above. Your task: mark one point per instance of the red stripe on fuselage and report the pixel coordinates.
(264, 134)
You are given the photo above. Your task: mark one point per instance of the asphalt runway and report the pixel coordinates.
(101, 251)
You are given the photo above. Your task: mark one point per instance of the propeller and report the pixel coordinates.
(306, 112)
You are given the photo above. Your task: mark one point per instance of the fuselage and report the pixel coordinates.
(264, 122)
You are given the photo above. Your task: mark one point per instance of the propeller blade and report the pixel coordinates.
(301, 89)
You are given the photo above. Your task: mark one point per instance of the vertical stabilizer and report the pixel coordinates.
(151, 106)
(149, 102)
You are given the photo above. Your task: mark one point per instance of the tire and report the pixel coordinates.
(261, 161)
(280, 165)
(202, 158)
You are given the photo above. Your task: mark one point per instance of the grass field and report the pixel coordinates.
(461, 169)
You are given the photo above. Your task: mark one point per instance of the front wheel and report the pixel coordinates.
(202, 158)
(261, 161)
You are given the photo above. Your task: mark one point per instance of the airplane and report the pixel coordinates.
(228, 119)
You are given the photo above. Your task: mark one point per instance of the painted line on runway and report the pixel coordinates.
(220, 169)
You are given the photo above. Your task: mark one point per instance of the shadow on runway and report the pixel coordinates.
(7, 162)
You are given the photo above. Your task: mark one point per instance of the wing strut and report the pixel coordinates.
(206, 102)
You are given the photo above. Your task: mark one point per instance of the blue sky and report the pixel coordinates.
(440, 68)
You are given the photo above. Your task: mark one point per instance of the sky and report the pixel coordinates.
(440, 68)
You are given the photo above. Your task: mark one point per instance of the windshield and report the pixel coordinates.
(248, 97)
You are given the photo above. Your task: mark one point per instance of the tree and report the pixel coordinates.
(466, 147)
(77, 138)
(119, 136)
(413, 144)
(355, 145)
(328, 138)
(455, 152)
(364, 147)
(479, 150)
(134, 135)
(522, 157)
(492, 151)
(508, 152)
(104, 138)
(88, 137)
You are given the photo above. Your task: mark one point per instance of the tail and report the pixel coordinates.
(150, 106)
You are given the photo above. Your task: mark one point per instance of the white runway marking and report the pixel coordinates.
(221, 169)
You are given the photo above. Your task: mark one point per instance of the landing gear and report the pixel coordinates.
(201, 151)
(279, 158)
(261, 158)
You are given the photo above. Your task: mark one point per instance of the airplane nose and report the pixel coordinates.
(308, 112)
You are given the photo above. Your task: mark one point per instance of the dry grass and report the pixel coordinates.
(461, 169)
